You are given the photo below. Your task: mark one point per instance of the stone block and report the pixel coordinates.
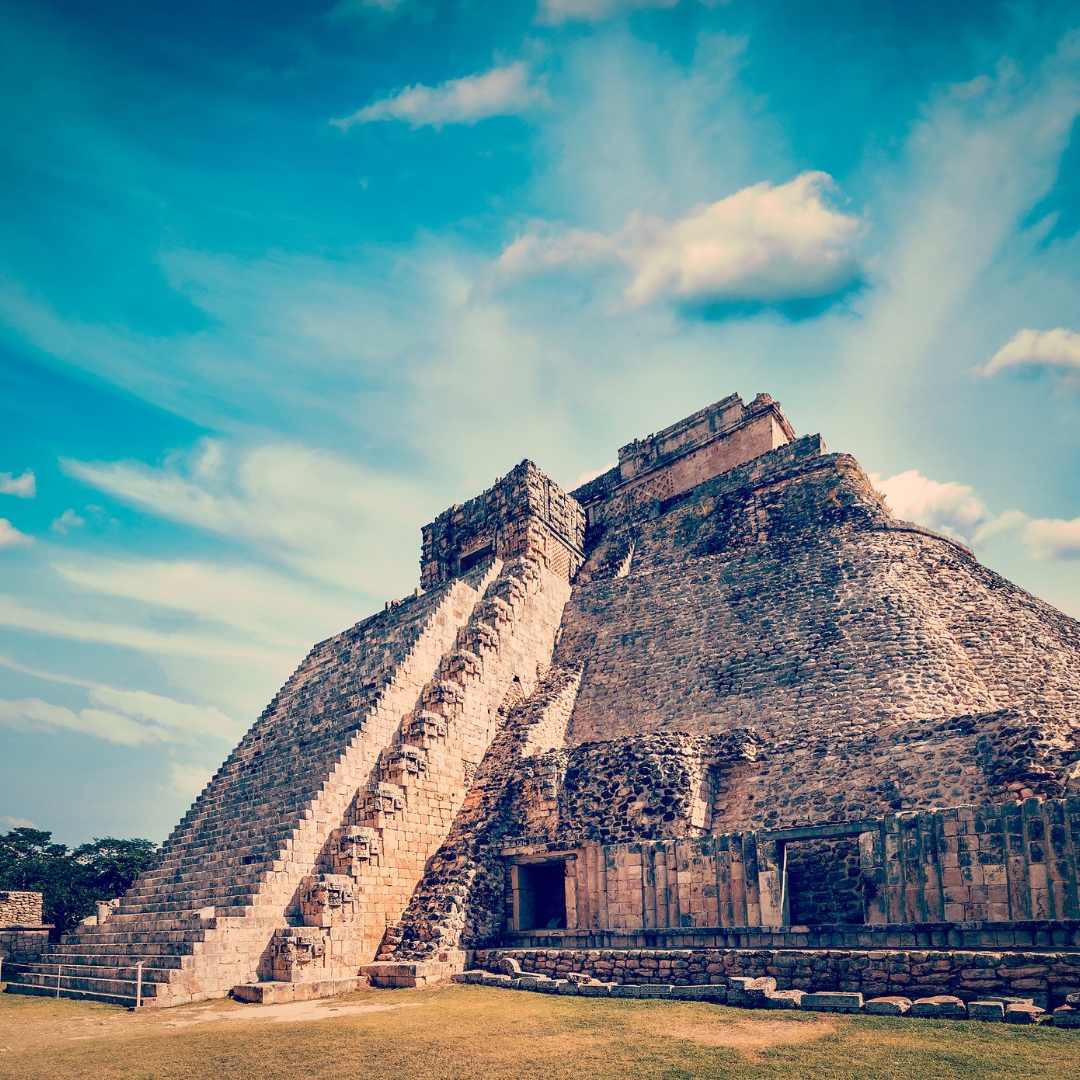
(888, 1006)
(472, 977)
(496, 980)
(565, 986)
(785, 999)
(597, 989)
(716, 994)
(986, 1010)
(1023, 1014)
(939, 1007)
(1067, 1016)
(833, 1001)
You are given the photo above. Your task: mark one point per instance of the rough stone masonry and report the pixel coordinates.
(715, 714)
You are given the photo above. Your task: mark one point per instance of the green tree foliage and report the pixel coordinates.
(71, 880)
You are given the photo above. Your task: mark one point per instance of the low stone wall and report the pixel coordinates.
(23, 946)
(20, 908)
(1045, 977)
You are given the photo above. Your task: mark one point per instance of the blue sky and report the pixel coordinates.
(279, 283)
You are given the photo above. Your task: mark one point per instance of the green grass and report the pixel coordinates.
(465, 1032)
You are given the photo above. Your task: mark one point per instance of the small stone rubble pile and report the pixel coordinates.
(762, 993)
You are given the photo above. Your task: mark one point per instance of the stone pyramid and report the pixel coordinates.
(719, 686)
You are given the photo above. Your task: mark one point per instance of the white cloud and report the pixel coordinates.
(764, 243)
(556, 12)
(325, 516)
(127, 717)
(1051, 538)
(504, 91)
(188, 781)
(1037, 348)
(10, 536)
(949, 508)
(16, 822)
(22, 487)
(68, 520)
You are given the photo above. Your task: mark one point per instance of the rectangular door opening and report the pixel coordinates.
(541, 896)
(823, 881)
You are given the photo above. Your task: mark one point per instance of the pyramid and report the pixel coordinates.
(717, 697)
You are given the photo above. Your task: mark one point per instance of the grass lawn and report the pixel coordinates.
(462, 1032)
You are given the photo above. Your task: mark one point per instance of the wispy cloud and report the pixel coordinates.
(22, 487)
(130, 717)
(503, 91)
(1058, 348)
(764, 244)
(950, 508)
(11, 537)
(269, 607)
(312, 509)
(17, 822)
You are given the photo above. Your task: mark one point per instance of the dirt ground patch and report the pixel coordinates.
(751, 1036)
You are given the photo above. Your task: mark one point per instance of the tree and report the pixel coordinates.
(71, 881)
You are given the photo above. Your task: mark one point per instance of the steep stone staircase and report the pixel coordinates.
(200, 921)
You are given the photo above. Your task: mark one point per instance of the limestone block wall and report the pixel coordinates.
(20, 908)
(1008, 862)
(460, 900)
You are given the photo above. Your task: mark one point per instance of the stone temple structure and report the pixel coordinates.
(715, 713)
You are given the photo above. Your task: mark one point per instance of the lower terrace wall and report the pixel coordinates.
(1047, 977)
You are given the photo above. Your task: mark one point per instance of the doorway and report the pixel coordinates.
(540, 896)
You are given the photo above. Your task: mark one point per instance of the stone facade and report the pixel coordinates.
(718, 699)
(20, 908)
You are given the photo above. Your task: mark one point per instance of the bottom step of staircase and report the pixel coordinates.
(80, 995)
(275, 993)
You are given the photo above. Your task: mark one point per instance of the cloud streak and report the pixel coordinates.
(1058, 348)
(502, 91)
(766, 244)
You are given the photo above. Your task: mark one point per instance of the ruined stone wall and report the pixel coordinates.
(1047, 976)
(20, 908)
(460, 900)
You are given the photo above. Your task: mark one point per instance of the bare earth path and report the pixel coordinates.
(461, 1033)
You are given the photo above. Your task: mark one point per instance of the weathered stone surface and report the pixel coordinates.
(833, 1002)
(940, 1007)
(888, 1006)
(986, 1010)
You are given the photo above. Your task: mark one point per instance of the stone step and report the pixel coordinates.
(28, 989)
(109, 959)
(45, 974)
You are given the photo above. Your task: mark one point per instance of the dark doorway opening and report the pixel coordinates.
(824, 882)
(467, 562)
(542, 896)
